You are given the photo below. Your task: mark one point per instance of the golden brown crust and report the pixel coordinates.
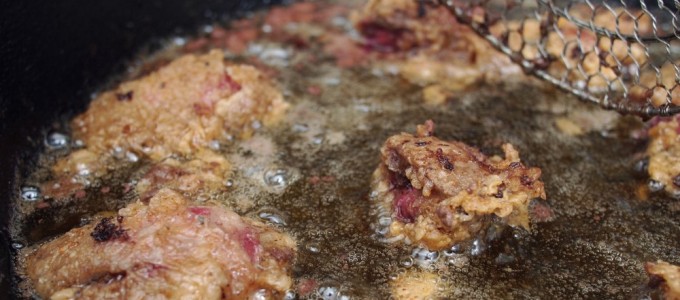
(415, 285)
(429, 47)
(178, 110)
(664, 154)
(166, 248)
(670, 275)
(205, 173)
(441, 193)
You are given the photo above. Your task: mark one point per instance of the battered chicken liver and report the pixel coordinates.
(440, 193)
(171, 249)
(669, 275)
(664, 154)
(178, 110)
(429, 47)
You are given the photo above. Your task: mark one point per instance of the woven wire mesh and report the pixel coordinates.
(623, 55)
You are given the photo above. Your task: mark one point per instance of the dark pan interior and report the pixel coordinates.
(54, 53)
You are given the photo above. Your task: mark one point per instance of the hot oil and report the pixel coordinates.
(310, 176)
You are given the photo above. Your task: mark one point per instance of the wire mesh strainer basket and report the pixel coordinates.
(623, 55)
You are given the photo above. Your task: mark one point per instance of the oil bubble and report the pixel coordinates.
(273, 216)
(424, 257)
(179, 41)
(56, 140)
(82, 170)
(84, 220)
(504, 259)
(300, 127)
(455, 249)
(329, 293)
(655, 186)
(202, 198)
(641, 165)
(131, 157)
(275, 53)
(17, 246)
(229, 183)
(276, 178)
(30, 193)
(259, 295)
(383, 231)
(331, 81)
(289, 295)
(318, 139)
(385, 221)
(78, 143)
(313, 248)
(406, 261)
(118, 152)
(460, 261)
(478, 247)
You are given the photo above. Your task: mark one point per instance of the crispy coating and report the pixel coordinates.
(440, 193)
(167, 248)
(402, 25)
(664, 154)
(429, 47)
(415, 285)
(670, 275)
(177, 110)
(205, 173)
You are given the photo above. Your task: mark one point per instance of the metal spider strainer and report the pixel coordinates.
(623, 55)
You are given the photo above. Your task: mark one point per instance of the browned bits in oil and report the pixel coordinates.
(107, 231)
(443, 160)
(127, 96)
(526, 180)
(515, 165)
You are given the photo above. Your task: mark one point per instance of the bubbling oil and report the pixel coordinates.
(310, 176)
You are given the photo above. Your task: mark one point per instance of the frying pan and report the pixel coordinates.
(54, 53)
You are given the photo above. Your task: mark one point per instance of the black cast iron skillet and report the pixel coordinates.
(54, 53)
